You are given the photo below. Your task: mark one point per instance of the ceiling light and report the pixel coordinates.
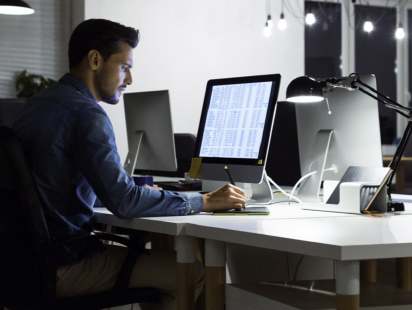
(15, 7)
(310, 19)
(282, 22)
(400, 33)
(368, 26)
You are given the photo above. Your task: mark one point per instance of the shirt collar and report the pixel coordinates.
(77, 82)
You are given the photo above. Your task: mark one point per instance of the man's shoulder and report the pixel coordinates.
(65, 97)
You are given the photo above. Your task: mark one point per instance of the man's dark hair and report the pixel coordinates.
(102, 35)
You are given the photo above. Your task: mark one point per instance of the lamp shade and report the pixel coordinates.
(304, 89)
(15, 7)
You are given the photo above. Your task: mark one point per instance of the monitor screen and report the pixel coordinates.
(235, 127)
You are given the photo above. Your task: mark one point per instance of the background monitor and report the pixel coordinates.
(149, 132)
(283, 164)
(354, 139)
(235, 127)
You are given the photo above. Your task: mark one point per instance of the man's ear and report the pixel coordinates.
(95, 59)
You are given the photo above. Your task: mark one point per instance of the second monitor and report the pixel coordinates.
(149, 132)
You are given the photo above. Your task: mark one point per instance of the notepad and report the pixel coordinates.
(245, 211)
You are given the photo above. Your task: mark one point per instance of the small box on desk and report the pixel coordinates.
(360, 189)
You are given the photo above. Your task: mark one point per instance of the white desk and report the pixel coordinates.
(176, 226)
(347, 240)
(281, 230)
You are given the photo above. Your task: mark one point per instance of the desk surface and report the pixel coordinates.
(337, 236)
(176, 225)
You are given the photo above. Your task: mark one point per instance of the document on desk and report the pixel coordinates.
(244, 211)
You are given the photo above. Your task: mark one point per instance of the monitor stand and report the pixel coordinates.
(134, 146)
(310, 188)
(260, 193)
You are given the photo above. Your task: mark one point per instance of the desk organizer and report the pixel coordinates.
(349, 201)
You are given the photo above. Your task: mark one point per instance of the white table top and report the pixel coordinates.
(338, 236)
(175, 225)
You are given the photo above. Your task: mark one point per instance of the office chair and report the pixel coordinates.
(27, 263)
(9, 108)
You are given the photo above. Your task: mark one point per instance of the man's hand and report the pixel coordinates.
(224, 198)
(153, 187)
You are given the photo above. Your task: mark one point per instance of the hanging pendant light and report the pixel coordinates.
(15, 7)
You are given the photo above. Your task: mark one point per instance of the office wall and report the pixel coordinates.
(184, 43)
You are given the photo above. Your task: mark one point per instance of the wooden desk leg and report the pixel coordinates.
(347, 285)
(186, 247)
(215, 266)
(368, 270)
(404, 273)
(163, 242)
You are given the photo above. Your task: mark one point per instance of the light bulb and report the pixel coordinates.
(310, 19)
(368, 26)
(269, 22)
(282, 22)
(400, 33)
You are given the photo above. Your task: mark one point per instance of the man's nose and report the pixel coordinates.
(128, 80)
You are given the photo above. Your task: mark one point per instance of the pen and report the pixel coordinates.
(229, 176)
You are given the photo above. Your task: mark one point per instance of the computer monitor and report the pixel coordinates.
(149, 132)
(349, 136)
(235, 127)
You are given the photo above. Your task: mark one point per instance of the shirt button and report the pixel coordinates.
(192, 211)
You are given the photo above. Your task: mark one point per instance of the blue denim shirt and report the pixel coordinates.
(70, 147)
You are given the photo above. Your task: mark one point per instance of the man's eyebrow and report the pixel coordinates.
(129, 64)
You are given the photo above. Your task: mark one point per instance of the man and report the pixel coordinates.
(70, 147)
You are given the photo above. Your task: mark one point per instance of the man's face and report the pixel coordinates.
(114, 75)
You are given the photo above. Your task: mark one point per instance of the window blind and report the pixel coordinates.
(37, 43)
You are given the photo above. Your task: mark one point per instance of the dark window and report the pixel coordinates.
(375, 53)
(323, 40)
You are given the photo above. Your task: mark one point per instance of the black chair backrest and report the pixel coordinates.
(25, 259)
(9, 108)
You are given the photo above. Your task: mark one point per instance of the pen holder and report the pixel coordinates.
(349, 199)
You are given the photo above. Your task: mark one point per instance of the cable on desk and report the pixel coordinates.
(283, 192)
(298, 182)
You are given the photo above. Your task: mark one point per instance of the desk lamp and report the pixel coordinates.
(307, 89)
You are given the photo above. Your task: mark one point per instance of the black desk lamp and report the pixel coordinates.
(307, 89)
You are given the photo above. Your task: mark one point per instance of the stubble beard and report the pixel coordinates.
(102, 86)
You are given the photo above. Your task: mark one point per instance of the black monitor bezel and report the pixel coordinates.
(275, 78)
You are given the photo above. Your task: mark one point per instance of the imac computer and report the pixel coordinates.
(235, 127)
(149, 132)
(331, 142)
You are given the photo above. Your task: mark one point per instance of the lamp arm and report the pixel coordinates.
(356, 80)
(398, 108)
(393, 165)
